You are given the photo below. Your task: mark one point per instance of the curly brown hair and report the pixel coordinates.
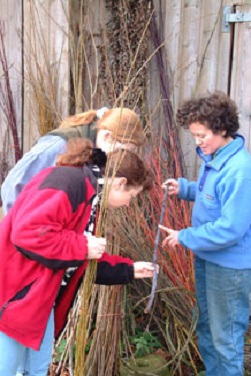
(216, 111)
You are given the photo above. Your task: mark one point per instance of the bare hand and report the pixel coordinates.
(143, 269)
(172, 185)
(96, 247)
(172, 238)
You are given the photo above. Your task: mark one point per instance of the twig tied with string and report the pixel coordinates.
(155, 257)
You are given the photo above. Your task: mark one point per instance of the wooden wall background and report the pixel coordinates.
(204, 58)
(35, 39)
(199, 57)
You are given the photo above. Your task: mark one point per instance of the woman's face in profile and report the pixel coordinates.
(120, 194)
(208, 141)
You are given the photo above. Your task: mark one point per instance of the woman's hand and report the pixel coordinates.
(172, 238)
(143, 269)
(172, 185)
(96, 247)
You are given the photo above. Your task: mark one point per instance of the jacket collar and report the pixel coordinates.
(83, 131)
(223, 154)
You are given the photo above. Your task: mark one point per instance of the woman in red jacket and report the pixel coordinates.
(46, 240)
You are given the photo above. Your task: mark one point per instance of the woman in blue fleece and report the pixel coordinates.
(220, 235)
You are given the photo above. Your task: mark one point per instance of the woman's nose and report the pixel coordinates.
(197, 140)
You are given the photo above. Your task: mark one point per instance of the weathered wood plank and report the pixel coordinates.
(241, 74)
(210, 21)
(170, 16)
(223, 63)
(11, 21)
(188, 71)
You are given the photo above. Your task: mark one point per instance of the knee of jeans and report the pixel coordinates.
(224, 346)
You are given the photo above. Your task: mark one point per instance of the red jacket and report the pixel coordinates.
(41, 237)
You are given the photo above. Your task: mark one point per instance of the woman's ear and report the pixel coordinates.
(104, 140)
(123, 181)
(119, 183)
(107, 135)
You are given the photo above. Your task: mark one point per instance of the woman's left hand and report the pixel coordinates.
(143, 269)
(172, 238)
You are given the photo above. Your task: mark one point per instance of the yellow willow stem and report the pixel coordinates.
(85, 314)
(84, 317)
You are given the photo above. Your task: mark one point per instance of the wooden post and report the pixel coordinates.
(241, 74)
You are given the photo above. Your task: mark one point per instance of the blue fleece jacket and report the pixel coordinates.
(221, 217)
(43, 154)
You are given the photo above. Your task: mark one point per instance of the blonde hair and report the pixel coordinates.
(124, 124)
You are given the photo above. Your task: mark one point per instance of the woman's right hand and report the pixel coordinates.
(96, 247)
(172, 185)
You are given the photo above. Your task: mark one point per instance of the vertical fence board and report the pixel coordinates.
(209, 55)
(11, 21)
(223, 63)
(209, 46)
(241, 74)
(188, 70)
(171, 16)
(94, 19)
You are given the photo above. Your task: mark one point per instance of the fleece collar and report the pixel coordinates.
(83, 131)
(223, 154)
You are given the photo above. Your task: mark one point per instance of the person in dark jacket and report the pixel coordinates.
(46, 240)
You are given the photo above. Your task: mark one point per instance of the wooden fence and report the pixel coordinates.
(203, 52)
